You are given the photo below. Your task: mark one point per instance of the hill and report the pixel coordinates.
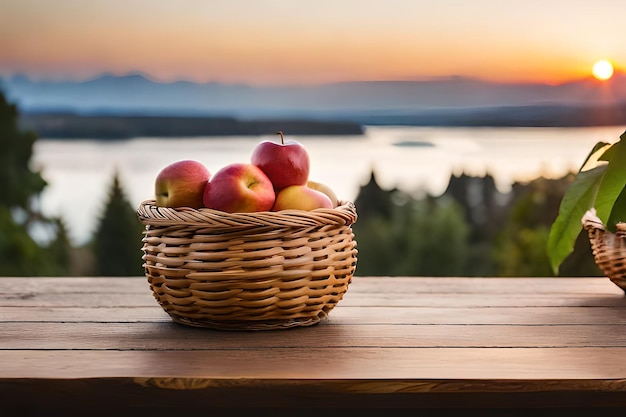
(442, 101)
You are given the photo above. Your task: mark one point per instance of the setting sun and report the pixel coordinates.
(602, 70)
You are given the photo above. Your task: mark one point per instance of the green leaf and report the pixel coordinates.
(608, 153)
(578, 198)
(612, 183)
(605, 156)
(618, 214)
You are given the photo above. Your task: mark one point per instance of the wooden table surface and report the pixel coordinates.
(392, 342)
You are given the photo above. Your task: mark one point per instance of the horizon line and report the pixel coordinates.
(148, 77)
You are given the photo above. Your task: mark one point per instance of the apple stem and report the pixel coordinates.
(282, 139)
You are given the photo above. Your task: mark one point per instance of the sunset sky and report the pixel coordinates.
(270, 42)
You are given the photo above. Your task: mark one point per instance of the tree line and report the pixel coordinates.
(472, 229)
(116, 127)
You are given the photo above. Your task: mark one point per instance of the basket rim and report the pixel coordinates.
(150, 214)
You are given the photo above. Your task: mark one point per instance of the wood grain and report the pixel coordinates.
(399, 342)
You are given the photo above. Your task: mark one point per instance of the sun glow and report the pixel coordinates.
(602, 70)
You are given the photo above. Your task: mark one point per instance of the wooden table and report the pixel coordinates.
(87, 344)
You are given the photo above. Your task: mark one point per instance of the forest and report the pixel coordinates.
(472, 229)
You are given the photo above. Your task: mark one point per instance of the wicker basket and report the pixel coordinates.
(248, 271)
(608, 248)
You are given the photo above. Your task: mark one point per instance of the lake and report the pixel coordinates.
(415, 159)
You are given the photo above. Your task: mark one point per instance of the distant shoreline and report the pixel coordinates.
(73, 126)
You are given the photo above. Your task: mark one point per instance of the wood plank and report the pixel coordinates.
(484, 285)
(477, 364)
(79, 285)
(123, 397)
(390, 285)
(343, 314)
(163, 336)
(53, 314)
(407, 299)
(247, 396)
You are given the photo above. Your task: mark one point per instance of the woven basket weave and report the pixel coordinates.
(608, 248)
(249, 271)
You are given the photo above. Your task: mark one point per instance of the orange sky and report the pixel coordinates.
(291, 41)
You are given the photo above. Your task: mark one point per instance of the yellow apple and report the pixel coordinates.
(325, 189)
(181, 184)
(301, 197)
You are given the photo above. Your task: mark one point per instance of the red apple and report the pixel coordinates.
(285, 163)
(301, 197)
(181, 184)
(239, 188)
(325, 189)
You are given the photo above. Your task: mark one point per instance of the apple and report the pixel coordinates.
(239, 188)
(285, 163)
(181, 184)
(325, 189)
(301, 197)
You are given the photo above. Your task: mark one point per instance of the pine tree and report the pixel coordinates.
(19, 182)
(117, 241)
(60, 249)
(373, 201)
(20, 253)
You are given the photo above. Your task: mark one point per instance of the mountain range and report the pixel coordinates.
(439, 101)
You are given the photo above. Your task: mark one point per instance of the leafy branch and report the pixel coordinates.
(599, 184)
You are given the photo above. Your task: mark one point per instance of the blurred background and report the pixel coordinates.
(454, 126)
